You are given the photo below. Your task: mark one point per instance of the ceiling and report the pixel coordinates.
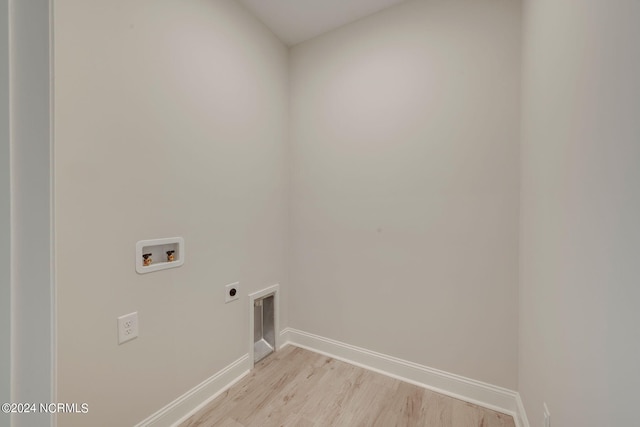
(295, 21)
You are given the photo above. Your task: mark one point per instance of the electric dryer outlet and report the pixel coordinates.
(232, 292)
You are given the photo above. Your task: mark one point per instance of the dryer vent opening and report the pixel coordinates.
(264, 333)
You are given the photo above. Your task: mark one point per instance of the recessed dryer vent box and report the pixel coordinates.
(159, 254)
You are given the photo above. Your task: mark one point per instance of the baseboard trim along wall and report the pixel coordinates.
(472, 391)
(195, 399)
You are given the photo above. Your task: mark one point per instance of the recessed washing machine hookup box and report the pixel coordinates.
(159, 254)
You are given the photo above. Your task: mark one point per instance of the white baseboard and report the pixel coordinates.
(476, 392)
(195, 399)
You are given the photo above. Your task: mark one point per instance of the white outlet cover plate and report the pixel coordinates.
(227, 290)
(127, 327)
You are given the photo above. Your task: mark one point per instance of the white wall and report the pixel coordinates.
(579, 294)
(170, 121)
(405, 178)
(5, 224)
(32, 374)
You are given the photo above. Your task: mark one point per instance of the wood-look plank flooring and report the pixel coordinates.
(296, 387)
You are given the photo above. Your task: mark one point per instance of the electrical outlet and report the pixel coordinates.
(547, 416)
(127, 327)
(231, 292)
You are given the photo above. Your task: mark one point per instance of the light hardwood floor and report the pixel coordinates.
(296, 387)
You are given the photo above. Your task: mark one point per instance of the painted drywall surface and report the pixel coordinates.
(170, 121)
(32, 373)
(580, 208)
(295, 22)
(404, 134)
(5, 220)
